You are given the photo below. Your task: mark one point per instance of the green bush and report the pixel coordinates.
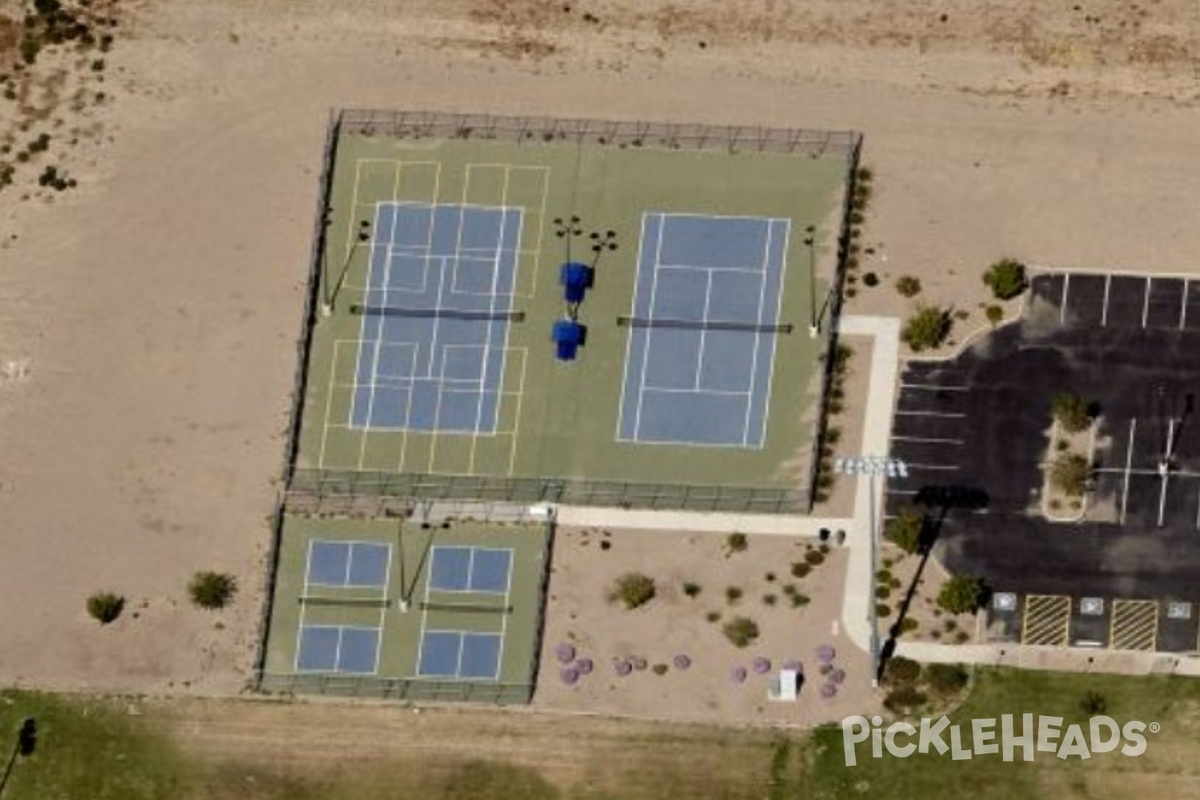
(814, 557)
(736, 542)
(1069, 474)
(1072, 412)
(713, 616)
(741, 631)
(105, 607)
(212, 590)
(945, 679)
(883, 610)
(691, 589)
(884, 575)
(1006, 278)
(994, 315)
(799, 599)
(882, 592)
(634, 589)
(909, 624)
(901, 671)
(801, 569)
(927, 328)
(962, 594)
(870, 279)
(903, 699)
(908, 286)
(733, 594)
(906, 530)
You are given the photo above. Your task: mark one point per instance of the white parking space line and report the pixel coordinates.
(945, 414)
(1146, 304)
(926, 440)
(1104, 308)
(1062, 309)
(935, 467)
(933, 387)
(1198, 510)
(1183, 306)
(1162, 500)
(1128, 464)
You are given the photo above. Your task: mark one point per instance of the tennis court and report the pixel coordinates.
(435, 317)
(436, 373)
(704, 325)
(387, 607)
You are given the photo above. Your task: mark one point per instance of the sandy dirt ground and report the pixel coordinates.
(153, 310)
(588, 562)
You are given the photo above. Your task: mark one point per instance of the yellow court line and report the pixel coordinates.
(326, 425)
(512, 458)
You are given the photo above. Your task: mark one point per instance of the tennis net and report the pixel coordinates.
(356, 602)
(467, 608)
(360, 309)
(702, 325)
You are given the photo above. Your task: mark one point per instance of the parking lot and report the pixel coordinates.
(974, 431)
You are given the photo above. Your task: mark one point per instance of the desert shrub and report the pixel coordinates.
(883, 592)
(770, 599)
(903, 699)
(895, 583)
(733, 593)
(908, 286)
(906, 530)
(659, 669)
(801, 569)
(1072, 412)
(884, 575)
(994, 314)
(962, 594)
(883, 610)
(105, 607)
(870, 279)
(713, 616)
(736, 543)
(634, 589)
(741, 631)
(927, 328)
(814, 557)
(945, 679)
(901, 671)
(908, 625)
(212, 590)
(1006, 279)
(799, 599)
(691, 589)
(1069, 474)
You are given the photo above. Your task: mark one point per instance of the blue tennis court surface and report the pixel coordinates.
(703, 387)
(460, 655)
(470, 569)
(349, 564)
(434, 373)
(338, 648)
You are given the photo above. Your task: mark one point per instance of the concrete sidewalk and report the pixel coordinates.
(758, 524)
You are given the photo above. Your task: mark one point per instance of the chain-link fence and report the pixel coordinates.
(413, 689)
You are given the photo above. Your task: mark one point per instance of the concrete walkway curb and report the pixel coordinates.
(705, 522)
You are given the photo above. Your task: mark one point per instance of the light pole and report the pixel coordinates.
(809, 241)
(873, 467)
(329, 294)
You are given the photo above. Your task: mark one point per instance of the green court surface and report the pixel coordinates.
(394, 612)
(557, 422)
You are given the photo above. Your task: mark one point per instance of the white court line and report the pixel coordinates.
(933, 387)
(383, 609)
(1104, 308)
(629, 340)
(537, 254)
(684, 215)
(662, 233)
(703, 334)
(512, 458)
(487, 345)
(424, 615)
(945, 414)
(1062, 310)
(766, 413)
(1128, 464)
(387, 275)
(462, 640)
(926, 440)
(1183, 306)
(325, 426)
(435, 436)
(1146, 305)
(905, 492)
(512, 562)
(1198, 510)
(704, 268)
(715, 392)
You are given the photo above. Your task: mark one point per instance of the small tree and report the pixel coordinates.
(1006, 279)
(212, 590)
(105, 607)
(1069, 474)
(905, 530)
(927, 328)
(736, 543)
(741, 631)
(962, 594)
(901, 671)
(633, 589)
(1072, 412)
(994, 315)
(908, 286)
